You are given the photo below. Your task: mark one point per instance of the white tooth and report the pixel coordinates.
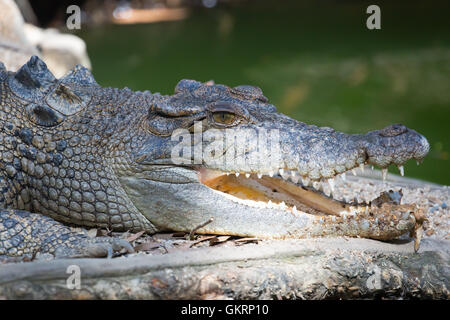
(294, 173)
(361, 166)
(354, 172)
(259, 175)
(331, 183)
(384, 173)
(284, 174)
(237, 174)
(295, 179)
(305, 181)
(283, 205)
(294, 209)
(402, 170)
(247, 175)
(343, 176)
(270, 173)
(317, 185)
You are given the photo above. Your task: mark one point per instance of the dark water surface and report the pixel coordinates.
(317, 62)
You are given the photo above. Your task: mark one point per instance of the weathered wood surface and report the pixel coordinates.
(310, 269)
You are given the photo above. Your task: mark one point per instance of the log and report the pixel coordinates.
(275, 269)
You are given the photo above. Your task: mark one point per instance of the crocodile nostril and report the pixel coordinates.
(393, 130)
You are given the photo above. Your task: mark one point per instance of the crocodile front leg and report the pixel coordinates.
(24, 234)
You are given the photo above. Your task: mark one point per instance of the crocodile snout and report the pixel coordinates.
(395, 144)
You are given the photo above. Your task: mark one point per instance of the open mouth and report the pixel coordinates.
(382, 218)
(282, 191)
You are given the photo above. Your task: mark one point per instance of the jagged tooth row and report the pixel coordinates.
(295, 176)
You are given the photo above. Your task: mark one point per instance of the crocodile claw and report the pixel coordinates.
(417, 233)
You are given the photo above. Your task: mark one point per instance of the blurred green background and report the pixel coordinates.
(315, 60)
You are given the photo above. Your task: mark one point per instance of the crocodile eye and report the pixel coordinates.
(225, 114)
(224, 117)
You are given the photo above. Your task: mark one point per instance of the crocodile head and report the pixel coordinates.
(225, 154)
(209, 155)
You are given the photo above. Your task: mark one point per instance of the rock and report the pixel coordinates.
(60, 51)
(19, 41)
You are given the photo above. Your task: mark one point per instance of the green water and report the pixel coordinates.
(317, 62)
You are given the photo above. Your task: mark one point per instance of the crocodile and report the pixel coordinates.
(210, 158)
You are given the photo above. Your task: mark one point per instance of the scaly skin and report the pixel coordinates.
(28, 234)
(84, 155)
